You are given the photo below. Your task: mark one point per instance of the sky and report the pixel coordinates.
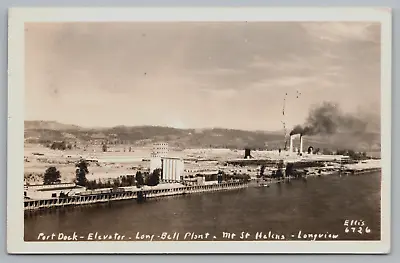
(198, 75)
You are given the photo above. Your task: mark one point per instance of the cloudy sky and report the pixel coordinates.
(198, 75)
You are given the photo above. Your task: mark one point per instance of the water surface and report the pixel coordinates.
(318, 205)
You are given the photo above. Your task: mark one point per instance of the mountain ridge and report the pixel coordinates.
(44, 132)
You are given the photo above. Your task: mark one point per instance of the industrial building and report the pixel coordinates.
(38, 192)
(172, 169)
(160, 149)
(291, 145)
(192, 168)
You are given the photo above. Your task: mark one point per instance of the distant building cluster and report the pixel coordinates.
(204, 168)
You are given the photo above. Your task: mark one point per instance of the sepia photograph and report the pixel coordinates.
(200, 135)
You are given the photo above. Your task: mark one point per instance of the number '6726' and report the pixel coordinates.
(360, 230)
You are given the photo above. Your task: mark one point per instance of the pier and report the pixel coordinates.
(361, 171)
(127, 193)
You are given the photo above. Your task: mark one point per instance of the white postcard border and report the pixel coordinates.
(15, 149)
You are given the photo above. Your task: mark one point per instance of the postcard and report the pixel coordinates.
(199, 130)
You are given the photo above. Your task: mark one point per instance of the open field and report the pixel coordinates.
(111, 164)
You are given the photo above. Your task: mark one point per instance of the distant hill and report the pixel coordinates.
(43, 132)
(49, 125)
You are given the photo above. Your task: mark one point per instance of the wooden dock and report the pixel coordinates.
(110, 196)
(362, 171)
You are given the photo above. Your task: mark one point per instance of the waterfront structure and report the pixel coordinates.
(172, 169)
(60, 195)
(126, 193)
(251, 170)
(200, 180)
(38, 192)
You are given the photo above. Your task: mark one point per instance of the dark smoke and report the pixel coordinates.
(297, 130)
(328, 119)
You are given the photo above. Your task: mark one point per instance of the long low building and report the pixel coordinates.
(39, 192)
(368, 164)
(194, 172)
(288, 159)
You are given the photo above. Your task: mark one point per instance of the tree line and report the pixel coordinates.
(53, 176)
(139, 180)
(60, 146)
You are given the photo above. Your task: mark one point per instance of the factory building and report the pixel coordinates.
(291, 145)
(172, 169)
(38, 192)
(205, 168)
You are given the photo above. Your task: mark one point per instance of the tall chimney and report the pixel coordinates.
(291, 144)
(301, 144)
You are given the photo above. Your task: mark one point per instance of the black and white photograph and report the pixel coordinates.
(204, 133)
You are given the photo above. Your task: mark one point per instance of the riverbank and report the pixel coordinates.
(349, 171)
(140, 194)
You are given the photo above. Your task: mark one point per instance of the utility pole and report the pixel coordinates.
(284, 123)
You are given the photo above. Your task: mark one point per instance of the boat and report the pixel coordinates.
(264, 185)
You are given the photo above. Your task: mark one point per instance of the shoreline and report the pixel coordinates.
(137, 194)
(346, 172)
(140, 195)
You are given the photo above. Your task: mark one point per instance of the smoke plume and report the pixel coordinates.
(329, 119)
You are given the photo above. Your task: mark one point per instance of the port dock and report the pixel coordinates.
(126, 193)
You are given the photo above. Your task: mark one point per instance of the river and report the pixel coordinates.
(286, 211)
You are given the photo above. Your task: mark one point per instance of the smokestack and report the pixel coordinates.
(247, 153)
(291, 144)
(301, 143)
